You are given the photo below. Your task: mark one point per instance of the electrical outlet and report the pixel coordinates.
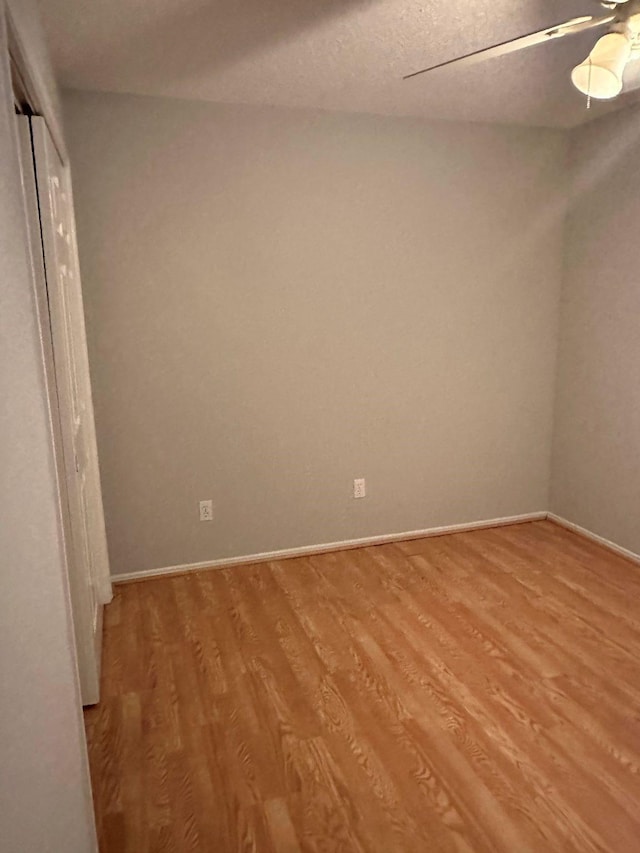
(206, 510)
(359, 490)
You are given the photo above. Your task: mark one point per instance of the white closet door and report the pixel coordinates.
(72, 409)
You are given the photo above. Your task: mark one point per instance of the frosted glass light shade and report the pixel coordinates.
(600, 75)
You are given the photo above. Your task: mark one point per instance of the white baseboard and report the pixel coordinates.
(606, 543)
(308, 550)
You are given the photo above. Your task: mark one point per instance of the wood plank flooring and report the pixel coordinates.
(472, 692)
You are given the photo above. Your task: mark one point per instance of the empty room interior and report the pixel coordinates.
(320, 431)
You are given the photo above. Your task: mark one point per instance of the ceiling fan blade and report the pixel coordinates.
(575, 25)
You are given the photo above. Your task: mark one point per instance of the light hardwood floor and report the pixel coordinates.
(472, 692)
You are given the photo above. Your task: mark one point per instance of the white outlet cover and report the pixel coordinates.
(206, 510)
(359, 488)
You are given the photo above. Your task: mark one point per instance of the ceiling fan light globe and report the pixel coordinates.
(599, 83)
(600, 75)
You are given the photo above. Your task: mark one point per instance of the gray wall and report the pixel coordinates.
(596, 451)
(281, 301)
(45, 798)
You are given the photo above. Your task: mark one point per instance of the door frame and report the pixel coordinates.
(35, 96)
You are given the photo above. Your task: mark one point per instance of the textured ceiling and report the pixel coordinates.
(330, 54)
